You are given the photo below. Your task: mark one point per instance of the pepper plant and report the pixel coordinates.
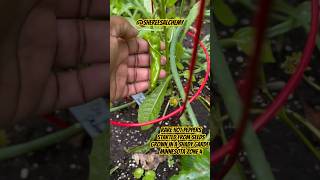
(162, 93)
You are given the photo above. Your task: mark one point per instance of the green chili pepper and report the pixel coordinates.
(154, 50)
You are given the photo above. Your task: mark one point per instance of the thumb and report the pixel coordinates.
(120, 27)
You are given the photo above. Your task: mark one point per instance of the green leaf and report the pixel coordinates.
(282, 28)
(188, 21)
(244, 39)
(235, 173)
(137, 174)
(179, 52)
(170, 161)
(112, 170)
(194, 167)
(186, 74)
(151, 106)
(98, 157)
(180, 66)
(267, 54)
(170, 3)
(302, 13)
(150, 175)
(184, 120)
(224, 13)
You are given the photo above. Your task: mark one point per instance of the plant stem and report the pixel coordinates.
(166, 109)
(233, 104)
(205, 103)
(308, 125)
(122, 106)
(215, 124)
(284, 117)
(236, 172)
(181, 8)
(281, 28)
(295, 115)
(42, 142)
(302, 137)
(176, 75)
(311, 83)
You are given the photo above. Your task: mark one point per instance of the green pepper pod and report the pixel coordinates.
(155, 65)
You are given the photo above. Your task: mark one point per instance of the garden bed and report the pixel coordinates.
(289, 156)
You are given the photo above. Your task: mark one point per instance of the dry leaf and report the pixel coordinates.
(148, 161)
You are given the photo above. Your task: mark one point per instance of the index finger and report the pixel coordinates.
(121, 28)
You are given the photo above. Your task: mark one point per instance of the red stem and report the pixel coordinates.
(247, 89)
(194, 52)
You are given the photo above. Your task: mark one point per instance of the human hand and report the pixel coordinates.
(54, 58)
(129, 60)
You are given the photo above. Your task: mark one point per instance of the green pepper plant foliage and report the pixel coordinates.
(161, 9)
(157, 98)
